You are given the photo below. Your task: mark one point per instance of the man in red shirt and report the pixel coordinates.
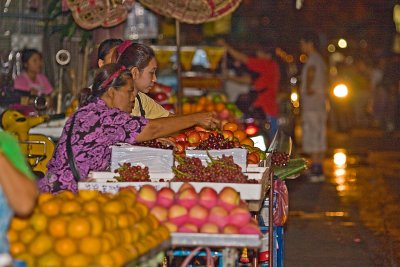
(266, 83)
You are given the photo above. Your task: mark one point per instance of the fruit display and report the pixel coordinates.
(212, 102)
(206, 211)
(128, 173)
(87, 229)
(218, 170)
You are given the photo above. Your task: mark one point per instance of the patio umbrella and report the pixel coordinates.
(192, 12)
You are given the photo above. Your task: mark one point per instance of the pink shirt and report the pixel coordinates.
(42, 84)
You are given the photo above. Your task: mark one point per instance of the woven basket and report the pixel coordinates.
(90, 14)
(192, 11)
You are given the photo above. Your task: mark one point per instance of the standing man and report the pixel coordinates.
(266, 83)
(313, 93)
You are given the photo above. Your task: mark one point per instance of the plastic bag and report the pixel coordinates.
(281, 205)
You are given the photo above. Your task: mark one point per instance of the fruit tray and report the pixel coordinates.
(215, 240)
(239, 155)
(113, 187)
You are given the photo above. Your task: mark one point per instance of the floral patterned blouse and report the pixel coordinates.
(95, 129)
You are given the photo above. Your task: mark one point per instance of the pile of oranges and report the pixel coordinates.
(87, 229)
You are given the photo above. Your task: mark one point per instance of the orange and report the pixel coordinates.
(119, 256)
(18, 224)
(66, 195)
(141, 209)
(240, 135)
(58, 227)
(210, 107)
(110, 222)
(134, 235)
(17, 248)
(12, 235)
(114, 206)
(90, 245)
(142, 227)
(51, 207)
(78, 227)
(27, 235)
(50, 259)
(153, 222)
(112, 240)
(86, 195)
(38, 222)
(77, 260)
(247, 141)
(65, 246)
(252, 159)
(203, 100)
(230, 126)
(96, 224)
(91, 206)
(123, 220)
(43, 197)
(219, 106)
(106, 244)
(127, 236)
(105, 260)
(186, 108)
(40, 245)
(70, 206)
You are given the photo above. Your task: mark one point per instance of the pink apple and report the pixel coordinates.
(210, 228)
(229, 198)
(147, 195)
(239, 216)
(177, 214)
(250, 229)
(188, 228)
(185, 186)
(187, 198)
(208, 197)
(165, 197)
(171, 226)
(230, 229)
(218, 215)
(198, 215)
(160, 212)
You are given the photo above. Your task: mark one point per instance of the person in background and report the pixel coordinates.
(144, 106)
(18, 191)
(103, 120)
(313, 94)
(31, 80)
(266, 82)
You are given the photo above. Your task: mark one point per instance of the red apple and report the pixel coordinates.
(230, 229)
(187, 198)
(239, 216)
(198, 215)
(218, 215)
(160, 212)
(194, 137)
(208, 197)
(229, 198)
(177, 214)
(165, 197)
(147, 195)
(210, 228)
(188, 228)
(224, 114)
(181, 138)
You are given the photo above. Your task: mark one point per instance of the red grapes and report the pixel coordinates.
(215, 142)
(279, 158)
(129, 173)
(154, 144)
(218, 170)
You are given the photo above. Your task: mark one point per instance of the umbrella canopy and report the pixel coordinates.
(192, 11)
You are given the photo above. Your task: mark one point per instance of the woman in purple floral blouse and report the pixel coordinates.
(103, 120)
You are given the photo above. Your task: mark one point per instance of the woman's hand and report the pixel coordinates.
(207, 119)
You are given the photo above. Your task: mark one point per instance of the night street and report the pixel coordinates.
(351, 219)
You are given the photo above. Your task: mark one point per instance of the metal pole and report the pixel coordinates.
(178, 66)
(271, 221)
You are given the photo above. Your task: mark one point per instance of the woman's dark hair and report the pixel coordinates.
(110, 75)
(106, 46)
(27, 53)
(135, 55)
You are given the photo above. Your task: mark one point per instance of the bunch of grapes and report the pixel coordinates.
(129, 173)
(215, 142)
(218, 170)
(155, 144)
(279, 158)
(189, 169)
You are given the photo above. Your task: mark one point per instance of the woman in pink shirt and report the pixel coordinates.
(31, 79)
